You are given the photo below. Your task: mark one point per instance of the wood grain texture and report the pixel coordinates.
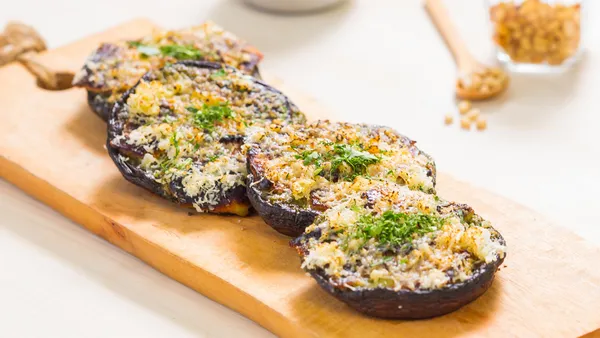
(52, 147)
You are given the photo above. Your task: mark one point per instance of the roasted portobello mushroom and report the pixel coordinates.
(403, 254)
(299, 171)
(113, 68)
(179, 132)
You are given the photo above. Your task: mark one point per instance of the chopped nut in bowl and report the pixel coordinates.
(537, 35)
(481, 84)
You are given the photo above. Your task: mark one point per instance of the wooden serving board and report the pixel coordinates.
(52, 147)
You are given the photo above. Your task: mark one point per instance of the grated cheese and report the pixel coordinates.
(449, 254)
(199, 163)
(116, 67)
(284, 154)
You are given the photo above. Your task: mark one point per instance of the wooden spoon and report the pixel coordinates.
(476, 81)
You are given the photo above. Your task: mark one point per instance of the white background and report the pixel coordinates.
(370, 61)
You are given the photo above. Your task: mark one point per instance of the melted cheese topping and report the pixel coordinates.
(298, 161)
(167, 135)
(450, 254)
(117, 67)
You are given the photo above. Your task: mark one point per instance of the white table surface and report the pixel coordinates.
(373, 61)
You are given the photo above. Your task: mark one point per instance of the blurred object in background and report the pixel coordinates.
(475, 81)
(537, 35)
(292, 6)
(19, 38)
(21, 42)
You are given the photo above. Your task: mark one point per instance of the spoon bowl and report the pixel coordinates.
(481, 84)
(476, 81)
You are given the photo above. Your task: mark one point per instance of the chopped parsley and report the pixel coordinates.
(176, 51)
(212, 158)
(181, 52)
(395, 228)
(347, 157)
(346, 160)
(355, 207)
(175, 143)
(208, 115)
(184, 163)
(310, 157)
(167, 164)
(221, 73)
(145, 50)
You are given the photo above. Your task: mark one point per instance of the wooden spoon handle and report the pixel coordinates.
(441, 19)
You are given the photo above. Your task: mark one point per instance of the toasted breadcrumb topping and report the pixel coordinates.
(116, 67)
(440, 243)
(317, 165)
(183, 126)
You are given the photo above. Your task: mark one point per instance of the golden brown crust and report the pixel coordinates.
(178, 133)
(113, 68)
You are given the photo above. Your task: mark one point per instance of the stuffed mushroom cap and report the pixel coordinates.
(298, 171)
(392, 252)
(179, 132)
(113, 68)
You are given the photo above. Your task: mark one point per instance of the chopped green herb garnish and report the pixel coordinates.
(148, 51)
(218, 74)
(395, 228)
(181, 52)
(175, 143)
(212, 158)
(346, 160)
(184, 164)
(165, 165)
(310, 157)
(357, 160)
(145, 50)
(355, 208)
(177, 51)
(206, 117)
(357, 144)
(391, 172)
